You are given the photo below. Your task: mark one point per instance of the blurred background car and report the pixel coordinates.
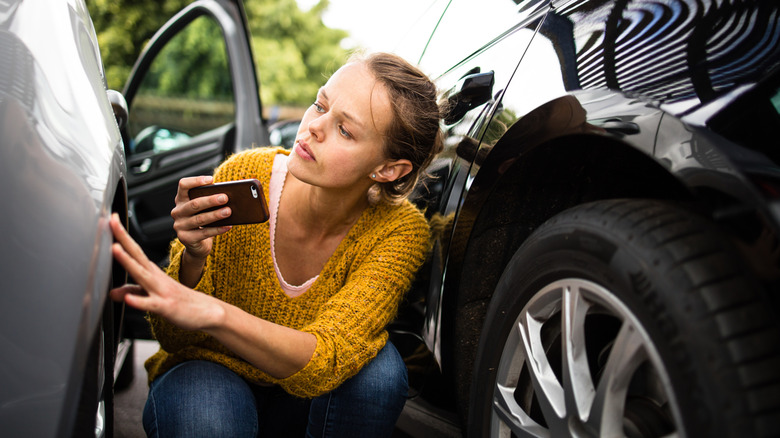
(283, 133)
(62, 172)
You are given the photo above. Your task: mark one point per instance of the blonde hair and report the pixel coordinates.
(414, 133)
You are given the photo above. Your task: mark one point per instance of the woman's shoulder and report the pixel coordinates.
(251, 163)
(401, 225)
(402, 214)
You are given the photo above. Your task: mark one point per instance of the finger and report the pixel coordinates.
(119, 293)
(182, 212)
(130, 255)
(138, 272)
(139, 302)
(206, 218)
(185, 221)
(185, 184)
(193, 237)
(133, 295)
(197, 205)
(126, 241)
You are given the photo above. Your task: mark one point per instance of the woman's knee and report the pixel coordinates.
(200, 398)
(367, 404)
(386, 375)
(384, 378)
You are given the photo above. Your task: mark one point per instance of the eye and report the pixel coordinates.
(318, 107)
(344, 132)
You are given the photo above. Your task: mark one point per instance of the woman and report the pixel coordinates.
(278, 329)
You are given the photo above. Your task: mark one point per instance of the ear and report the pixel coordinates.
(392, 170)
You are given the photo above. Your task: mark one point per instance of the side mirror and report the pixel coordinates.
(119, 105)
(472, 91)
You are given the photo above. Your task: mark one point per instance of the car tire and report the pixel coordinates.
(628, 318)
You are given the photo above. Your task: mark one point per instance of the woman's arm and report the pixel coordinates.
(278, 351)
(192, 226)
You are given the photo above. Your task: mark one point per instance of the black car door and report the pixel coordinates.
(193, 100)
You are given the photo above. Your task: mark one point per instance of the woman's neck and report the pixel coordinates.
(322, 212)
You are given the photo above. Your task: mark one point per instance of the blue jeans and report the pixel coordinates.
(205, 399)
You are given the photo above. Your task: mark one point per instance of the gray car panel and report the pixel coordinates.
(61, 165)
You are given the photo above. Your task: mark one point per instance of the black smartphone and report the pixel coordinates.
(245, 199)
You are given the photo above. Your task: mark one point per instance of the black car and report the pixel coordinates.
(606, 219)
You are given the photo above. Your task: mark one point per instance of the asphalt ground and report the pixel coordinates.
(129, 402)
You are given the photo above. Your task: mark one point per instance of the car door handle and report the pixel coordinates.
(616, 126)
(472, 91)
(141, 167)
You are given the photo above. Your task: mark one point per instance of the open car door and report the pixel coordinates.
(193, 100)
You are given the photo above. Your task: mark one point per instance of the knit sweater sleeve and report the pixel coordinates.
(171, 338)
(350, 328)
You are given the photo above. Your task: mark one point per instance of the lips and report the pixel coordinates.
(303, 151)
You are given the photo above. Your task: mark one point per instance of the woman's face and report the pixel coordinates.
(339, 142)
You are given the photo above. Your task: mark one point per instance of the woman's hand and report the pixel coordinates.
(156, 292)
(275, 349)
(190, 221)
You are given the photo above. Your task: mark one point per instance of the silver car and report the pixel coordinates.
(69, 158)
(62, 171)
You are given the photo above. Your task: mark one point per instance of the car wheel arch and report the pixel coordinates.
(521, 199)
(498, 214)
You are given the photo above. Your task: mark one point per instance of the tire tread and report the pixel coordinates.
(742, 320)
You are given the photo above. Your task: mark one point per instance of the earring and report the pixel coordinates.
(373, 175)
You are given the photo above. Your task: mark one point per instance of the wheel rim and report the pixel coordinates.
(578, 363)
(100, 414)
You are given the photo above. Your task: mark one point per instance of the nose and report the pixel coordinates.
(316, 128)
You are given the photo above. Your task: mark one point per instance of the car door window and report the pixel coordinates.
(462, 32)
(187, 91)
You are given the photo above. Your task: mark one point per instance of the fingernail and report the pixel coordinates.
(222, 198)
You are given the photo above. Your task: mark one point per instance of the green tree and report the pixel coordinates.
(294, 51)
(193, 64)
(124, 27)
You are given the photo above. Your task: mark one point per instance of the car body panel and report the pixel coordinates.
(655, 135)
(62, 172)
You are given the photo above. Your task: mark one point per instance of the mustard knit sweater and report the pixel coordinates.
(347, 308)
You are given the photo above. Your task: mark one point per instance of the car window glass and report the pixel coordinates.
(187, 90)
(463, 30)
(411, 41)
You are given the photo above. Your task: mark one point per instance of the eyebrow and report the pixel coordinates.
(347, 116)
